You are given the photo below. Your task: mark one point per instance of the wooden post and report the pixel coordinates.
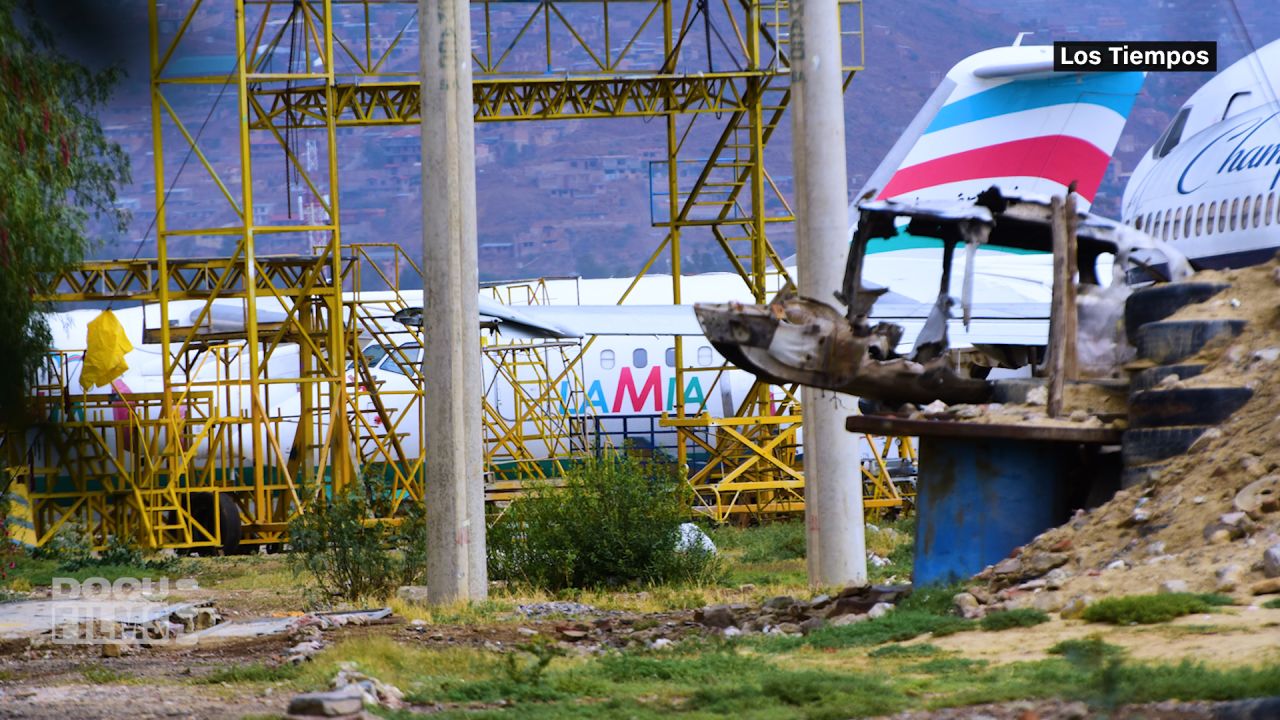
(1070, 362)
(1058, 324)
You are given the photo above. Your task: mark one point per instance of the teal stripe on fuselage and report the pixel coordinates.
(1116, 91)
(903, 241)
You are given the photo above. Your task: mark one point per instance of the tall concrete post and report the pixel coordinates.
(833, 480)
(451, 326)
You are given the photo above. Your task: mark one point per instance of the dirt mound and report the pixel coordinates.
(1186, 525)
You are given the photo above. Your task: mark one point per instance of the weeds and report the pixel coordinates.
(543, 651)
(1272, 604)
(905, 651)
(947, 666)
(1149, 609)
(1092, 648)
(102, 675)
(347, 552)
(775, 541)
(932, 599)
(251, 673)
(1022, 617)
(896, 626)
(615, 522)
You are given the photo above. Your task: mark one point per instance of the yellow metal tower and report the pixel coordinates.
(266, 417)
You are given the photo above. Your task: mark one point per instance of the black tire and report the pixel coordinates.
(1168, 341)
(1013, 391)
(1157, 302)
(1140, 475)
(229, 526)
(1185, 406)
(1151, 377)
(1143, 446)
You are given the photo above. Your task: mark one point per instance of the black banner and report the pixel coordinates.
(1135, 55)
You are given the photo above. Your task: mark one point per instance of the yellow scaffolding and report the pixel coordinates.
(297, 71)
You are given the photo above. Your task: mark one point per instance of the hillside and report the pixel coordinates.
(550, 191)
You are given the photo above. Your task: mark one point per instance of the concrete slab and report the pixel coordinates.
(30, 618)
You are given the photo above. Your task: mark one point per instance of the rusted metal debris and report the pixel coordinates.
(807, 341)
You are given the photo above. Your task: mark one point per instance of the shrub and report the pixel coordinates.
(1021, 617)
(1272, 604)
(614, 522)
(1090, 650)
(348, 553)
(1148, 609)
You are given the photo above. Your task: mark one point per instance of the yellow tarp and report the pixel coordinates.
(17, 516)
(104, 356)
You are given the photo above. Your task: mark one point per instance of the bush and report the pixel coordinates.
(348, 553)
(1022, 617)
(614, 522)
(1148, 609)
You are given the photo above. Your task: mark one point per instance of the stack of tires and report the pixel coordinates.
(1164, 418)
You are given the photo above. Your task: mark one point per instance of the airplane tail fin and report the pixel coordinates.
(1002, 117)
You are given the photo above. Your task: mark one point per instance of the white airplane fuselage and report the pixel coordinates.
(1210, 186)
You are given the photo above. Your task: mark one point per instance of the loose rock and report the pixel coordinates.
(332, 703)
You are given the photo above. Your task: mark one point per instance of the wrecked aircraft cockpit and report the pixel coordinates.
(804, 340)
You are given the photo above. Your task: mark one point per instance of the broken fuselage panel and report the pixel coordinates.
(804, 340)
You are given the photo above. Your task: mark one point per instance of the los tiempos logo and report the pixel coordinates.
(1135, 56)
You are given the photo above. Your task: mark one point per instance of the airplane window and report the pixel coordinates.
(1271, 201)
(639, 357)
(606, 359)
(704, 356)
(1222, 217)
(1168, 214)
(1155, 226)
(1137, 222)
(1235, 212)
(1244, 212)
(1257, 211)
(671, 357)
(1200, 219)
(1172, 135)
(1238, 103)
(373, 354)
(410, 354)
(1186, 224)
(1208, 225)
(1177, 223)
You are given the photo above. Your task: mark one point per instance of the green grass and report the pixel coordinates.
(1022, 617)
(932, 599)
(905, 651)
(713, 680)
(39, 572)
(770, 542)
(252, 673)
(102, 675)
(943, 666)
(773, 553)
(1092, 648)
(1149, 609)
(896, 626)
(1272, 604)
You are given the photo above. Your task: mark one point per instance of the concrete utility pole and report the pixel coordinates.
(456, 567)
(833, 481)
